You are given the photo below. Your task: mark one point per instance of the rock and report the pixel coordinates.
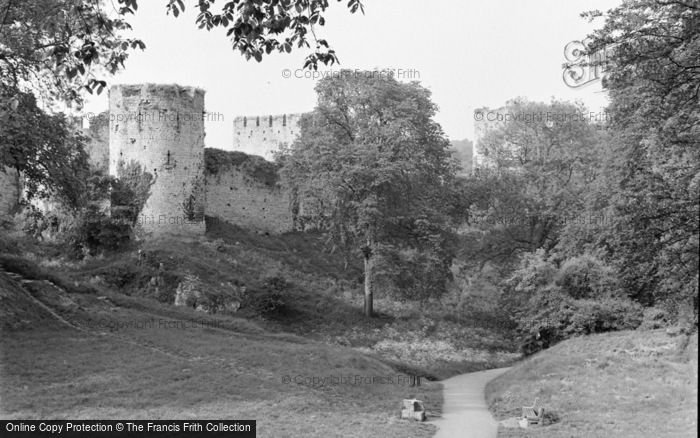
(413, 409)
(188, 292)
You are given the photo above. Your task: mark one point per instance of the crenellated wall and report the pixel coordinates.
(160, 130)
(263, 135)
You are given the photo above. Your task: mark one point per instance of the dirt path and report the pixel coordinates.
(465, 414)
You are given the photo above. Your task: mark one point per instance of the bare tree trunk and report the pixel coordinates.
(369, 301)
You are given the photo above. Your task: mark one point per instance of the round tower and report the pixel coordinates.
(156, 143)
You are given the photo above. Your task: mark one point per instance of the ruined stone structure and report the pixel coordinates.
(97, 146)
(264, 135)
(245, 190)
(9, 190)
(161, 129)
(158, 130)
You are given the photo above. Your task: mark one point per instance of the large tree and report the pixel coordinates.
(538, 165)
(370, 165)
(653, 170)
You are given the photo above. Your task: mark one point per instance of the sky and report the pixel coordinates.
(470, 54)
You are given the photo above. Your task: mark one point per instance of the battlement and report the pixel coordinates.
(264, 135)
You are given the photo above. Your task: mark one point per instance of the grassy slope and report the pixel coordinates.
(233, 370)
(323, 301)
(625, 384)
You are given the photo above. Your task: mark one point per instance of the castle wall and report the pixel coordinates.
(245, 190)
(263, 135)
(161, 128)
(97, 145)
(9, 190)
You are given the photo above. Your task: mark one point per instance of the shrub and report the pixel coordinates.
(268, 299)
(586, 276)
(553, 303)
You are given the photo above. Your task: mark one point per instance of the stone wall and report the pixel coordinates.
(97, 145)
(161, 127)
(263, 135)
(245, 190)
(9, 190)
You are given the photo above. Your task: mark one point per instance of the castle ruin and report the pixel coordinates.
(161, 128)
(264, 135)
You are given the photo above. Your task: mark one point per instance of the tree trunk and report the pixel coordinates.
(368, 288)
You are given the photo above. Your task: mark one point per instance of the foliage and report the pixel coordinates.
(258, 28)
(539, 163)
(269, 298)
(259, 169)
(60, 47)
(370, 164)
(47, 149)
(652, 170)
(55, 48)
(552, 302)
(130, 191)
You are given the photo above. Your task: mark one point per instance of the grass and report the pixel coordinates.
(624, 384)
(118, 360)
(113, 363)
(322, 297)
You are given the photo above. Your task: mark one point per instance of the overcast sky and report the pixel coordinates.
(469, 53)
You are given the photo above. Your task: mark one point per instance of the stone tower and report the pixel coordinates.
(161, 129)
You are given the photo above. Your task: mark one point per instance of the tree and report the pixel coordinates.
(653, 174)
(53, 50)
(540, 163)
(56, 48)
(47, 149)
(370, 165)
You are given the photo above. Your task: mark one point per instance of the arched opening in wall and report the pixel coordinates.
(270, 121)
(284, 120)
(257, 121)
(245, 121)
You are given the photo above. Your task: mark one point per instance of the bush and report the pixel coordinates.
(586, 277)
(553, 303)
(553, 316)
(268, 299)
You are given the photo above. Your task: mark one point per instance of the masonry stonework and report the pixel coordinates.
(9, 190)
(245, 190)
(264, 135)
(161, 128)
(97, 145)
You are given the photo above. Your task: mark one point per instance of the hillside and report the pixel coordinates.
(89, 356)
(101, 338)
(624, 384)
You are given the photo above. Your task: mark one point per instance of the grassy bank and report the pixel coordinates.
(285, 283)
(109, 356)
(625, 384)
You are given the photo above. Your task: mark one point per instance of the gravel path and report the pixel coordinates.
(465, 414)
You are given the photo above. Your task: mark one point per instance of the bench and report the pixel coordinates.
(533, 414)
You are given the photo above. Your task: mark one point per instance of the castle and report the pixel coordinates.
(160, 128)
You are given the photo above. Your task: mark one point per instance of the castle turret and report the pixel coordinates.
(159, 129)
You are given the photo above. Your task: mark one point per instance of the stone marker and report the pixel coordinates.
(413, 409)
